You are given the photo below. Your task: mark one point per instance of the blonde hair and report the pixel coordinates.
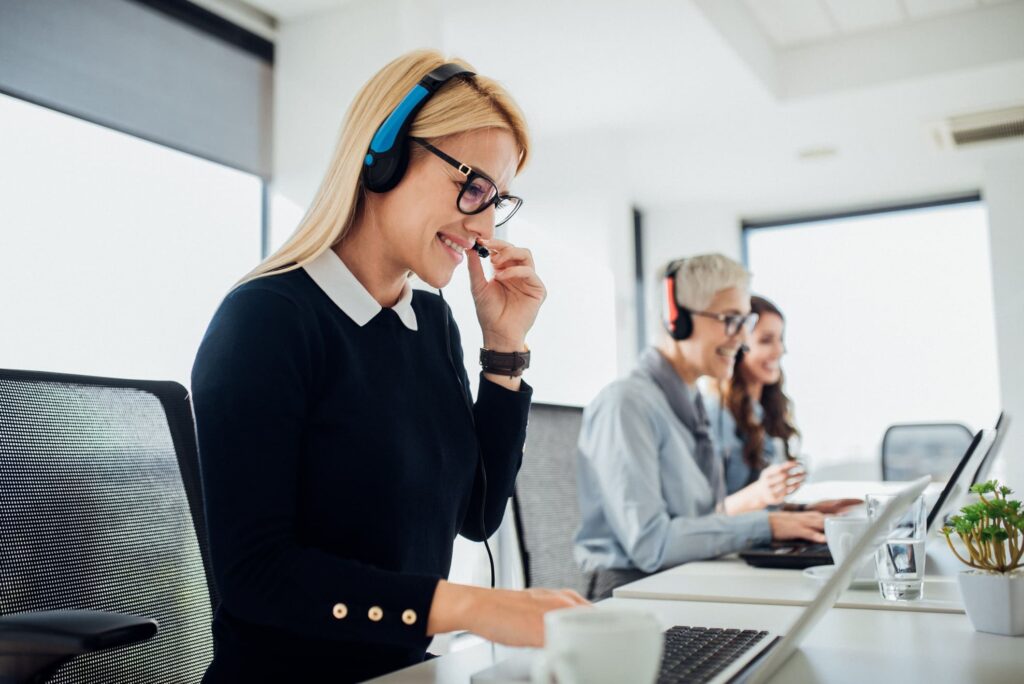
(463, 104)
(699, 278)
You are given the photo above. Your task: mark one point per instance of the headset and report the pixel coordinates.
(677, 318)
(388, 157)
(383, 167)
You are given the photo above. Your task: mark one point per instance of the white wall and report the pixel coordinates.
(1004, 194)
(321, 61)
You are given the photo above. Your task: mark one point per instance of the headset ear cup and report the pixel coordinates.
(678, 320)
(382, 173)
(684, 325)
(387, 158)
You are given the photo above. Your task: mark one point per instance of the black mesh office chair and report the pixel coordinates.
(99, 505)
(912, 450)
(547, 512)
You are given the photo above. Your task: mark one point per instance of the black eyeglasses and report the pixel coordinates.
(733, 322)
(478, 191)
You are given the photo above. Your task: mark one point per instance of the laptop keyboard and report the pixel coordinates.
(811, 550)
(697, 654)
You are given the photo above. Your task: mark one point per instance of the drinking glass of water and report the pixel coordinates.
(899, 559)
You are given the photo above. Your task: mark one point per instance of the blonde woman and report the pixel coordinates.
(341, 451)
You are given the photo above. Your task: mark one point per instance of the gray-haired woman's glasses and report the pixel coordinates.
(733, 322)
(478, 191)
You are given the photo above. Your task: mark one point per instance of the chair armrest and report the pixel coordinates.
(34, 645)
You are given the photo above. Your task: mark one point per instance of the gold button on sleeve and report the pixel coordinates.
(409, 617)
(340, 611)
(375, 613)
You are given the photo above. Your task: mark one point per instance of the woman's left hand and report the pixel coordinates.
(507, 304)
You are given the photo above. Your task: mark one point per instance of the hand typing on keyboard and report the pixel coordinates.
(809, 525)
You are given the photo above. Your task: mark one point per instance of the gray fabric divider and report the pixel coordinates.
(131, 68)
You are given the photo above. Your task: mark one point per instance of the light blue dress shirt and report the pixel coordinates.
(730, 447)
(644, 501)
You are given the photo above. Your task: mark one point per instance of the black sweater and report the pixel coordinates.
(338, 465)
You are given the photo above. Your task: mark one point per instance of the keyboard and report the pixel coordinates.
(810, 550)
(697, 654)
(796, 555)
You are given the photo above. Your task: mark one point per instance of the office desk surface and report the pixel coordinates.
(854, 646)
(730, 580)
(855, 489)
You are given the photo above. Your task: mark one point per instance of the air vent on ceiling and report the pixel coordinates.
(997, 124)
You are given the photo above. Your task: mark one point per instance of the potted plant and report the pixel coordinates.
(992, 531)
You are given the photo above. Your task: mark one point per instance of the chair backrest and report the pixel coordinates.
(912, 450)
(98, 485)
(547, 511)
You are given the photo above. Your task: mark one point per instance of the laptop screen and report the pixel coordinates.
(954, 479)
(990, 456)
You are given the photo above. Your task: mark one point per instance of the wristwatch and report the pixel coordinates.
(511, 364)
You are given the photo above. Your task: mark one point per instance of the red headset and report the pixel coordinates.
(677, 318)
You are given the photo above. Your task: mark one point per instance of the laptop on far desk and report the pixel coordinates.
(720, 656)
(797, 555)
(1002, 426)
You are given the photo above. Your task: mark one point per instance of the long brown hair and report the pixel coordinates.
(777, 409)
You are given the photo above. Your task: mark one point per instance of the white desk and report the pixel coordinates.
(856, 489)
(854, 646)
(730, 580)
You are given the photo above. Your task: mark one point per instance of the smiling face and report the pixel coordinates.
(709, 349)
(767, 345)
(419, 219)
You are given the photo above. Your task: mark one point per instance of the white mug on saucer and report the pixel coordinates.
(841, 533)
(589, 645)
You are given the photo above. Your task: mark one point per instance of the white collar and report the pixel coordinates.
(341, 285)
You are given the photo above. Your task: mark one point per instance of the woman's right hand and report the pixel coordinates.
(513, 618)
(777, 481)
(809, 525)
(516, 618)
(771, 488)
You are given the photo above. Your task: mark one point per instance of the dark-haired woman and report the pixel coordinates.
(753, 423)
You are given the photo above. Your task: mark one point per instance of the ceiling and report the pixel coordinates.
(788, 23)
(704, 100)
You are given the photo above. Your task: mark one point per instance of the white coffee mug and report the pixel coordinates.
(590, 645)
(841, 533)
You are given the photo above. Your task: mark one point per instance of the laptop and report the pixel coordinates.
(1002, 425)
(718, 656)
(797, 555)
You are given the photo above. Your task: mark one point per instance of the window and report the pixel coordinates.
(116, 251)
(889, 319)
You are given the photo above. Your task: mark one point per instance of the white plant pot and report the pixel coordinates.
(994, 602)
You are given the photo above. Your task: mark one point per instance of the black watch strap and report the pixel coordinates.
(511, 364)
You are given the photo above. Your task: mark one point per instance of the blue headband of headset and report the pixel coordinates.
(388, 156)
